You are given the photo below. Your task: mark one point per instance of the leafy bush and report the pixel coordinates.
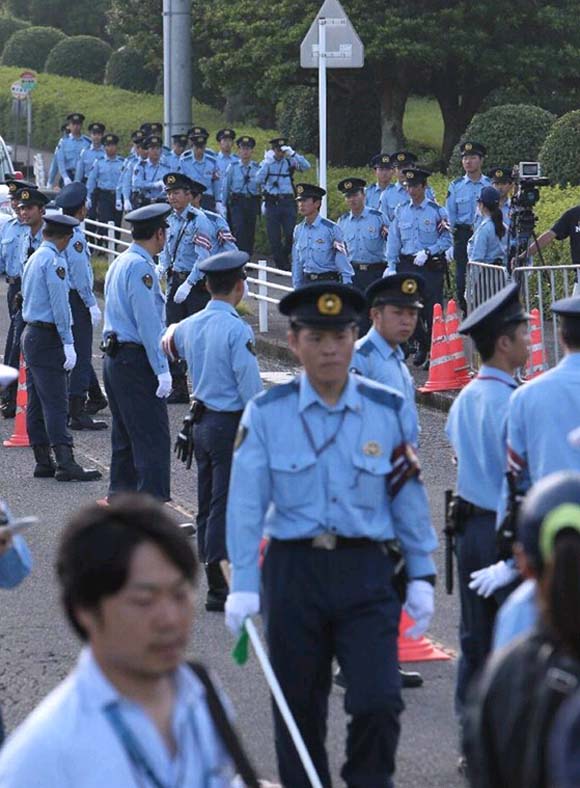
(560, 154)
(83, 57)
(298, 118)
(511, 133)
(8, 26)
(29, 47)
(125, 70)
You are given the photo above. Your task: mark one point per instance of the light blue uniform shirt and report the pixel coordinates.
(16, 562)
(476, 428)
(365, 236)
(223, 162)
(373, 194)
(10, 247)
(126, 177)
(219, 349)
(274, 177)
(80, 271)
(87, 158)
(203, 171)
(318, 248)
(28, 243)
(396, 194)
(105, 174)
(241, 179)
(45, 289)
(135, 305)
(53, 169)
(172, 160)
(222, 239)
(484, 246)
(285, 485)
(68, 740)
(148, 178)
(417, 227)
(374, 358)
(188, 242)
(462, 199)
(67, 153)
(517, 616)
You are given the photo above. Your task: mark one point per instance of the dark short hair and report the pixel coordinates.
(56, 231)
(98, 543)
(570, 330)
(486, 344)
(223, 282)
(143, 231)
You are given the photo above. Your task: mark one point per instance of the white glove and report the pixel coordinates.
(95, 314)
(420, 606)
(127, 206)
(420, 258)
(263, 208)
(164, 387)
(66, 180)
(449, 254)
(88, 203)
(221, 209)
(486, 582)
(166, 340)
(182, 292)
(70, 357)
(240, 605)
(288, 150)
(389, 272)
(119, 205)
(159, 185)
(269, 156)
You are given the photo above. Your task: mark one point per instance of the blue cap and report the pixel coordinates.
(381, 160)
(324, 304)
(71, 196)
(470, 148)
(499, 310)
(58, 219)
(15, 184)
(148, 213)
(489, 196)
(306, 190)
(415, 175)
(501, 174)
(229, 134)
(350, 186)
(405, 289)
(224, 261)
(28, 196)
(403, 158)
(567, 307)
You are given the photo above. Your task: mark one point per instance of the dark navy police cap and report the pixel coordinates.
(381, 160)
(110, 139)
(469, 148)
(99, 127)
(247, 141)
(490, 197)
(229, 134)
(567, 307)
(76, 117)
(501, 174)
(176, 180)
(351, 186)
(277, 142)
(156, 128)
(31, 197)
(416, 175)
(155, 213)
(306, 190)
(138, 136)
(499, 310)
(323, 304)
(58, 219)
(71, 196)
(181, 138)
(145, 128)
(403, 158)
(153, 139)
(15, 185)
(400, 289)
(224, 261)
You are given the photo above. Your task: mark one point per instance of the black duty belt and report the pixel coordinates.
(367, 266)
(469, 509)
(272, 199)
(237, 197)
(330, 276)
(181, 276)
(463, 228)
(13, 280)
(134, 345)
(329, 541)
(42, 324)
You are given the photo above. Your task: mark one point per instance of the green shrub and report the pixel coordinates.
(560, 154)
(83, 57)
(511, 133)
(125, 70)
(297, 118)
(29, 48)
(8, 26)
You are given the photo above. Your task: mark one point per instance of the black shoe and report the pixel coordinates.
(79, 420)
(339, 679)
(215, 602)
(217, 591)
(8, 409)
(420, 357)
(45, 466)
(410, 678)
(462, 765)
(95, 403)
(68, 470)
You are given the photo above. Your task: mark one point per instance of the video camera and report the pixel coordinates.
(528, 179)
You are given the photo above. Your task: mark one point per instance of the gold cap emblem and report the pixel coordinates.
(372, 449)
(385, 159)
(299, 189)
(498, 173)
(409, 287)
(409, 176)
(25, 195)
(329, 304)
(12, 187)
(171, 179)
(468, 146)
(348, 185)
(401, 157)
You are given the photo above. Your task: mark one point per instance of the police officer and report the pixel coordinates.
(219, 349)
(137, 378)
(89, 155)
(178, 147)
(275, 176)
(69, 150)
(486, 245)
(396, 194)
(124, 194)
(461, 207)
(323, 464)
(502, 180)
(47, 343)
(500, 332)
(83, 304)
(200, 166)
(103, 182)
(318, 251)
(53, 176)
(188, 242)
(418, 237)
(225, 157)
(241, 194)
(384, 171)
(148, 175)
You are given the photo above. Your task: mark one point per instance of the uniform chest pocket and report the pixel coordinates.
(406, 230)
(370, 478)
(294, 477)
(463, 206)
(428, 231)
(321, 249)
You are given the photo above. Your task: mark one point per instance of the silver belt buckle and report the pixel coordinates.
(363, 267)
(325, 541)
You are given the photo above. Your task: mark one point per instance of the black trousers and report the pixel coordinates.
(318, 604)
(244, 213)
(81, 374)
(105, 207)
(280, 222)
(364, 275)
(13, 337)
(195, 302)
(461, 236)
(140, 439)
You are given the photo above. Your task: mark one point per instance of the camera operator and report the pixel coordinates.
(567, 226)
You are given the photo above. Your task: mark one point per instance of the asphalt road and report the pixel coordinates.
(37, 648)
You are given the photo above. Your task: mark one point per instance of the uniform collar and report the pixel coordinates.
(142, 252)
(362, 215)
(466, 178)
(383, 346)
(220, 306)
(571, 360)
(418, 207)
(487, 371)
(315, 223)
(50, 245)
(308, 396)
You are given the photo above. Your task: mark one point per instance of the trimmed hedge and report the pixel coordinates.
(83, 57)
(30, 47)
(560, 154)
(297, 118)
(8, 26)
(125, 70)
(511, 133)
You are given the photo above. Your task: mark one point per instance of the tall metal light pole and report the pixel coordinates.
(177, 80)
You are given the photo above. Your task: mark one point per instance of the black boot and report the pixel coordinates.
(8, 407)
(96, 401)
(217, 590)
(45, 465)
(67, 469)
(410, 678)
(79, 420)
(179, 392)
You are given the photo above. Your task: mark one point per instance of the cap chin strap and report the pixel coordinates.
(567, 515)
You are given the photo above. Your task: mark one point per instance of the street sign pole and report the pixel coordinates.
(322, 109)
(28, 132)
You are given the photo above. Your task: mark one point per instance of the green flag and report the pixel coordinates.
(240, 651)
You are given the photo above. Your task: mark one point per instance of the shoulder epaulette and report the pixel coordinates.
(88, 139)
(327, 222)
(343, 215)
(433, 204)
(458, 180)
(366, 348)
(375, 212)
(213, 217)
(381, 394)
(186, 154)
(277, 392)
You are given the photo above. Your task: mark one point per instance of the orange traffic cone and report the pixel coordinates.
(441, 377)
(421, 650)
(537, 360)
(20, 434)
(456, 350)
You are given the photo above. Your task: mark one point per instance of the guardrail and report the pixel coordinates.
(109, 244)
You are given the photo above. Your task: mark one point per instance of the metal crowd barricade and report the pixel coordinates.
(109, 243)
(263, 284)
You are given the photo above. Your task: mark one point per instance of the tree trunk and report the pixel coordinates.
(393, 95)
(457, 110)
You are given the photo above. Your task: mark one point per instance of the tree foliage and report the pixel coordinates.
(82, 17)
(560, 153)
(30, 47)
(83, 57)
(8, 26)
(125, 70)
